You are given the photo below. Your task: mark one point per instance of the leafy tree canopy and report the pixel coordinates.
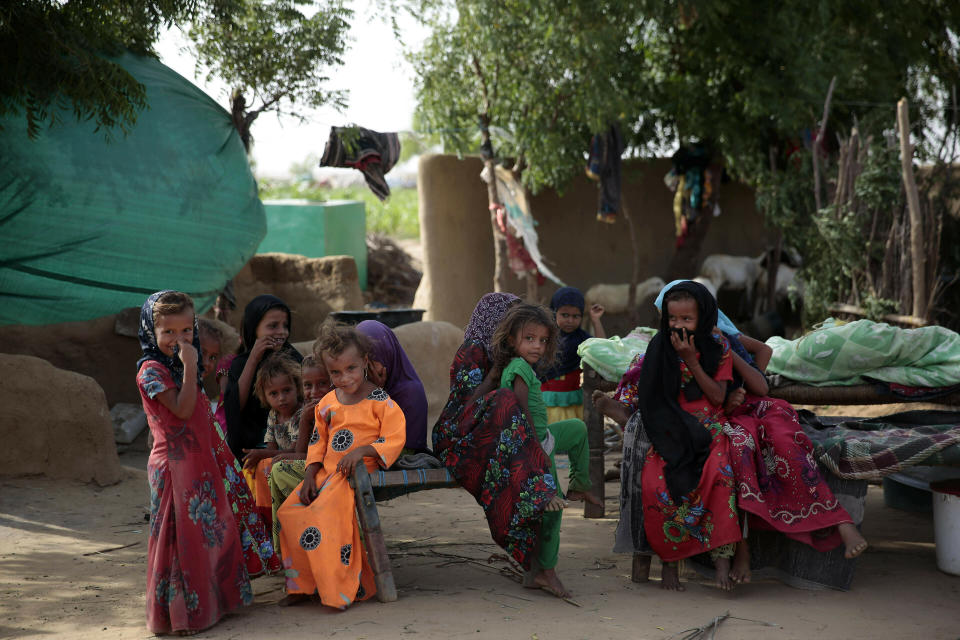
(273, 54)
(540, 76)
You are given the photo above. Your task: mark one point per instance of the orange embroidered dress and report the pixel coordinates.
(322, 549)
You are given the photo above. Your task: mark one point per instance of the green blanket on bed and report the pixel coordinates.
(846, 354)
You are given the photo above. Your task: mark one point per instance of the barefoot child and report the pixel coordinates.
(678, 388)
(526, 337)
(277, 387)
(764, 432)
(287, 470)
(356, 423)
(195, 563)
(561, 385)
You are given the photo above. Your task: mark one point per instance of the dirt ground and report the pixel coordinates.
(72, 565)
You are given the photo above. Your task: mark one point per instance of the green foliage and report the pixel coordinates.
(396, 217)
(51, 53)
(542, 75)
(843, 249)
(272, 54)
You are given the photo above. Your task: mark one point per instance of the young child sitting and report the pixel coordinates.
(562, 382)
(527, 337)
(277, 386)
(287, 470)
(195, 563)
(679, 387)
(356, 423)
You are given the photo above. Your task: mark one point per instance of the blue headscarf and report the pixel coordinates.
(723, 322)
(729, 331)
(148, 342)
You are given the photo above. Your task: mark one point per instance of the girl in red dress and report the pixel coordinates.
(196, 571)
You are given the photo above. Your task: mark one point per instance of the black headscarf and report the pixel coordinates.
(245, 426)
(148, 342)
(680, 439)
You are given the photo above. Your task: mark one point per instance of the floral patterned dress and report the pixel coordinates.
(259, 551)
(493, 452)
(778, 482)
(196, 571)
(322, 548)
(706, 518)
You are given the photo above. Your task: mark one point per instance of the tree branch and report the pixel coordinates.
(818, 141)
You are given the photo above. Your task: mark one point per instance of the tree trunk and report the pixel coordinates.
(686, 259)
(918, 260)
(773, 266)
(632, 314)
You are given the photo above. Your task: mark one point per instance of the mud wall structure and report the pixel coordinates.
(458, 242)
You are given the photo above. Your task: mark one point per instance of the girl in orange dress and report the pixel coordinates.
(356, 423)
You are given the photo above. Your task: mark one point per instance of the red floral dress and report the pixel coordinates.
(196, 572)
(706, 518)
(778, 482)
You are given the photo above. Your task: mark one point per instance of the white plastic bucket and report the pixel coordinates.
(946, 525)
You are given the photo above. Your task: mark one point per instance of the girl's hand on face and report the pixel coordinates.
(188, 353)
(596, 311)
(377, 373)
(684, 348)
(264, 344)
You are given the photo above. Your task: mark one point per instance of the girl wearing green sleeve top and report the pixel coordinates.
(527, 338)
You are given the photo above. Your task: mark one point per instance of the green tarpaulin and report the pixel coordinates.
(91, 226)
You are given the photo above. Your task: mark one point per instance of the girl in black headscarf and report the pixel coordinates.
(265, 329)
(677, 390)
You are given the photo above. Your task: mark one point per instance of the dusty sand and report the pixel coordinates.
(54, 583)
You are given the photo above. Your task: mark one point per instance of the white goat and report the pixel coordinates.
(787, 280)
(733, 272)
(708, 283)
(613, 297)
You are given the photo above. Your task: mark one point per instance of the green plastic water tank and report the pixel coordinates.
(317, 229)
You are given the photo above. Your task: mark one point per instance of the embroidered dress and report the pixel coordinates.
(196, 571)
(568, 436)
(705, 518)
(259, 550)
(777, 479)
(322, 548)
(494, 453)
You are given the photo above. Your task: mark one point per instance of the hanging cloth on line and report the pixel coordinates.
(519, 227)
(603, 165)
(370, 152)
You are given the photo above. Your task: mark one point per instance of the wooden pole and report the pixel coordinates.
(918, 260)
(632, 315)
(818, 141)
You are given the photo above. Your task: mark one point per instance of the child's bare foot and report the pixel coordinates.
(640, 572)
(670, 577)
(740, 573)
(556, 504)
(293, 599)
(548, 580)
(583, 496)
(598, 398)
(724, 581)
(852, 539)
